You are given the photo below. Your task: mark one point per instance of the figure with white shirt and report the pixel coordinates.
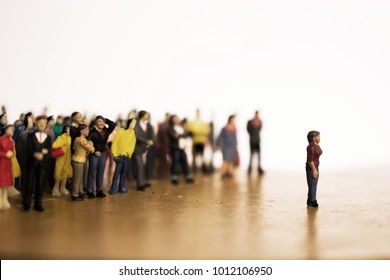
(141, 146)
(39, 147)
(177, 142)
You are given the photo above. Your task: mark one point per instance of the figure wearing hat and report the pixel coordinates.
(97, 161)
(39, 147)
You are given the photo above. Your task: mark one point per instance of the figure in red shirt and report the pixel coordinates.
(312, 163)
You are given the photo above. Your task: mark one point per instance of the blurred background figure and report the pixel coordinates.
(254, 127)
(162, 148)
(141, 147)
(22, 150)
(199, 132)
(3, 121)
(177, 142)
(19, 127)
(57, 127)
(151, 152)
(50, 181)
(227, 142)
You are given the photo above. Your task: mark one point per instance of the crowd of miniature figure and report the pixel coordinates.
(68, 155)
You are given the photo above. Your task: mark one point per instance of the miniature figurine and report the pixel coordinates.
(177, 142)
(16, 173)
(199, 131)
(39, 146)
(7, 151)
(21, 148)
(63, 168)
(122, 149)
(82, 146)
(97, 160)
(254, 127)
(312, 163)
(77, 119)
(162, 153)
(3, 122)
(227, 142)
(150, 153)
(141, 146)
(57, 127)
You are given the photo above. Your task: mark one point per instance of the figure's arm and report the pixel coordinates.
(87, 145)
(310, 160)
(111, 126)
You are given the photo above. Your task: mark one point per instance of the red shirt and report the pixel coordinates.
(313, 154)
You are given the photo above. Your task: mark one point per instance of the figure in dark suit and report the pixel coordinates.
(150, 153)
(140, 148)
(254, 127)
(39, 146)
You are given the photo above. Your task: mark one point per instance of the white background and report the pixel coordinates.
(321, 65)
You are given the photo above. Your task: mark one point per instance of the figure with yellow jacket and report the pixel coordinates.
(122, 149)
(199, 130)
(81, 148)
(63, 167)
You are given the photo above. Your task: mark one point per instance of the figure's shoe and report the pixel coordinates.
(82, 195)
(77, 198)
(39, 208)
(56, 193)
(90, 195)
(141, 189)
(190, 180)
(175, 182)
(101, 194)
(260, 171)
(112, 191)
(64, 191)
(313, 204)
(124, 190)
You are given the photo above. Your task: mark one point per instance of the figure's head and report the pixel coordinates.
(3, 119)
(100, 122)
(41, 123)
(257, 114)
(131, 123)
(84, 129)
(50, 121)
(77, 117)
(28, 120)
(65, 129)
(313, 136)
(9, 130)
(231, 119)
(174, 120)
(198, 113)
(60, 120)
(143, 116)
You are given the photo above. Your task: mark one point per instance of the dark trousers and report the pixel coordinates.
(96, 169)
(312, 185)
(120, 173)
(150, 162)
(33, 182)
(254, 149)
(140, 170)
(198, 150)
(179, 158)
